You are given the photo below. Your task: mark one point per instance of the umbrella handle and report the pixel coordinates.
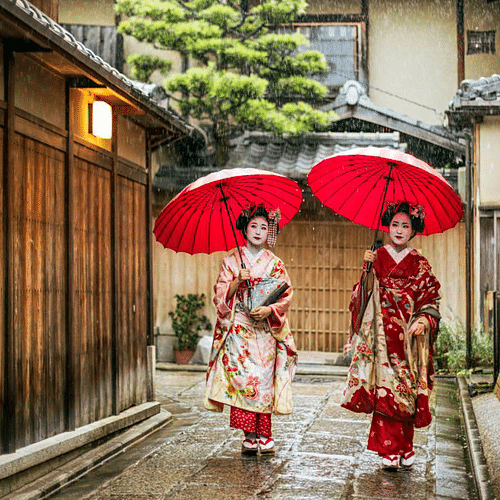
(375, 244)
(224, 199)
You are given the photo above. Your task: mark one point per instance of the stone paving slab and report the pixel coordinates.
(321, 453)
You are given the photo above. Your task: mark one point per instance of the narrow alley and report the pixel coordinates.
(321, 452)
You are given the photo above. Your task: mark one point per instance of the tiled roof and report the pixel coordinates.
(482, 92)
(353, 102)
(291, 156)
(295, 156)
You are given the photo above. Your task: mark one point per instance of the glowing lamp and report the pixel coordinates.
(101, 120)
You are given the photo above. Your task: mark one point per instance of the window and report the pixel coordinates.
(341, 46)
(480, 42)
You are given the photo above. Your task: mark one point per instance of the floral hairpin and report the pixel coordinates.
(275, 215)
(418, 211)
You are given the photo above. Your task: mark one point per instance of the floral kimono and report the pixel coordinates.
(252, 363)
(391, 373)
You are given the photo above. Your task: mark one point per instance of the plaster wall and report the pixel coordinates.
(488, 163)
(45, 101)
(93, 12)
(412, 56)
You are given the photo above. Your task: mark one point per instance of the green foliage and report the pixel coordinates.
(187, 321)
(241, 67)
(144, 65)
(215, 95)
(450, 348)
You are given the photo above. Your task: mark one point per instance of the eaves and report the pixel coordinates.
(24, 22)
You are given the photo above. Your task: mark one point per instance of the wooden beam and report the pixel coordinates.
(10, 379)
(71, 360)
(460, 42)
(365, 47)
(83, 82)
(330, 18)
(115, 361)
(150, 340)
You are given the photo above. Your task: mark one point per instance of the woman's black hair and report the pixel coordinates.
(416, 215)
(247, 215)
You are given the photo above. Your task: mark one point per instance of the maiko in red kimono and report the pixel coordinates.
(252, 364)
(391, 373)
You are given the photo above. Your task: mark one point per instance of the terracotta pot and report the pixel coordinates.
(183, 357)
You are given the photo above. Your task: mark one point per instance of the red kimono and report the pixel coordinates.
(391, 373)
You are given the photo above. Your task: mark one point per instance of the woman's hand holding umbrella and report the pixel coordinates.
(370, 256)
(244, 275)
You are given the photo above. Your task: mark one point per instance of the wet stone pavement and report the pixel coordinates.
(320, 453)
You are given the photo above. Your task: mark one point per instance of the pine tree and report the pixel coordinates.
(243, 72)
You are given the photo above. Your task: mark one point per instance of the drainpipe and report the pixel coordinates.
(469, 214)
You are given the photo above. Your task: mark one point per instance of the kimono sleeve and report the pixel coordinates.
(357, 304)
(227, 274)
(279, 309)
(427, 298)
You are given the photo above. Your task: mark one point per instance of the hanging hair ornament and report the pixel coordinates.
(274, 219)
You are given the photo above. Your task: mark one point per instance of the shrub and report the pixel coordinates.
(187, 321)
(451, 348)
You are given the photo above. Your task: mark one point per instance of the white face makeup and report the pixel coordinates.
(257, 232)
(400, 231)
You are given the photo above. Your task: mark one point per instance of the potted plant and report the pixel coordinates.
(187, 322)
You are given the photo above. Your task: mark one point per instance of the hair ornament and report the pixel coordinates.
(416, 213)
(274, 219)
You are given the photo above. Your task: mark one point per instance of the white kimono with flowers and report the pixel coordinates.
(252, 364)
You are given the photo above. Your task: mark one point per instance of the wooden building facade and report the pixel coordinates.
(75, 280)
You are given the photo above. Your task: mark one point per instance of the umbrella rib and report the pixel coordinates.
(198, 200)
(275, 201)
(356, 184)
(251, 196)
(438, 200)
(166, 224)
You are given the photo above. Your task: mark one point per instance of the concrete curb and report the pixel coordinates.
(474, 447)
(66, 474)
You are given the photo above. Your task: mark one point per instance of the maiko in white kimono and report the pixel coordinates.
(252, 363)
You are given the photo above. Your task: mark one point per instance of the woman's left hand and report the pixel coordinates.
(260, 313)
(416, 329)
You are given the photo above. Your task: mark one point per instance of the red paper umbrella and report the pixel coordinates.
(201, 218)
(358, 183)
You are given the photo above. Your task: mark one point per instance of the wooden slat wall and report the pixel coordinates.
(446, 254)
(37, 227)
(324, 259)
(132, 311)
(2, 292)
(92, 291)
(181, 273)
